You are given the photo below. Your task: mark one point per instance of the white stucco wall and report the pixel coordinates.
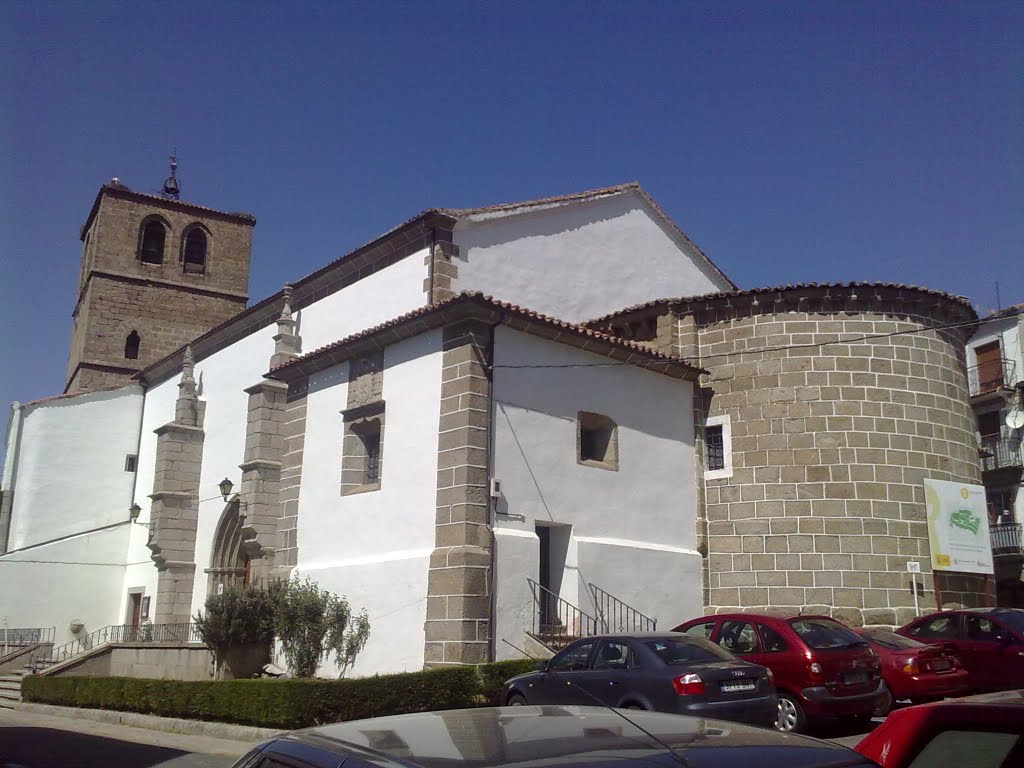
(225, 375)
(69, 473)
(633, 531)
(579, 261)
(77, 578)
(375, 547)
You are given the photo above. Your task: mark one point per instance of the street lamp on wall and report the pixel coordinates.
(225, 486)
(133, 515)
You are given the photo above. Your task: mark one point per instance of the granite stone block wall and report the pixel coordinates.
(841, 400)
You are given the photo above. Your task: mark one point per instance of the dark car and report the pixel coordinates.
(664, 672)
(545, 736)
(915, 670)
(821, 667)
(989, 642)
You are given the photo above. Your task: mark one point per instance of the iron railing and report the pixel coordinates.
(1006, 538)
(27, 635)
(991, 376)
(1000, 453)
(557, 622)
(615, 616)
(120, 633)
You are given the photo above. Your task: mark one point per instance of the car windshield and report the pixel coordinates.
(823, 634)
(891, 640)
(686, 651)
(1013, 619)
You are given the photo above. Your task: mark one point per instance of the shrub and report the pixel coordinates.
(237, 617)
(494, 675)
(312, 623)
(282, 703)
(267, 703)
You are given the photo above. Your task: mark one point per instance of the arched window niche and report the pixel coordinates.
(193, 251)
(152, 239)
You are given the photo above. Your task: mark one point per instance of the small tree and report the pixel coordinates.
(239, 616)
(313, 623)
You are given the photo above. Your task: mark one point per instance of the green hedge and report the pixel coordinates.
(282, 703)
(494, 675)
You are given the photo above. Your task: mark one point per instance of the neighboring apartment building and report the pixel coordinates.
(996, 376)
(430, 426)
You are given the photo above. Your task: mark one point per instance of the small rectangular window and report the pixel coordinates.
(714, 444)
(597, 441)
(717, 448)
(362, 449)
(130, 463)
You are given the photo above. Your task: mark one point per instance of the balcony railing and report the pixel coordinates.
(1000, 453)
(991, 376)
(1005, 538)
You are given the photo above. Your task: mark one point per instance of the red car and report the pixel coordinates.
(915, 670)
(978, 731)
(989, 642)
(821, 668)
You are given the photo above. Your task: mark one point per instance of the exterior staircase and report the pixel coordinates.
(10, 687)
(17, 652)
(557, 622)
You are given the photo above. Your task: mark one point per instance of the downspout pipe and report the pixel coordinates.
(491, 502)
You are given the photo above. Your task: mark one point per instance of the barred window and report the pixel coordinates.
(714, 446)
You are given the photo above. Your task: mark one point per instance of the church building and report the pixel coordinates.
(484, 425)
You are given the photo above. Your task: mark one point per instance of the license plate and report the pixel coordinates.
(739, 685)
(854, 678)
(940, 665)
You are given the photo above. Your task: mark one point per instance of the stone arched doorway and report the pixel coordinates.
(230, 563)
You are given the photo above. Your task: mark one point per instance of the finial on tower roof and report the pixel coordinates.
(171, 188)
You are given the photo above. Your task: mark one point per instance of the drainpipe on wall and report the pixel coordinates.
(12, 440)
(491, 502)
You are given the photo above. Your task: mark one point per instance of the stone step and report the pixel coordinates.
(10, 684)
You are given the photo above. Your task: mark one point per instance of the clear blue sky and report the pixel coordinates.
(793, 141)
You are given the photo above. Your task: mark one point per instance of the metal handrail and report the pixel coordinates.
(557, 622)
(617, 616)
(1005, 537)
(1003, 452)
(991, 376)
(119, 633)
(27, 635)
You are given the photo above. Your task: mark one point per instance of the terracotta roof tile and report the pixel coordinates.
(643, 352)
(778, 289)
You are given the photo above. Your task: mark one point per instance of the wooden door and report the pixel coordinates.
(990, 367)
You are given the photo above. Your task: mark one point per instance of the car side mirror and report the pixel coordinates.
(542, 666)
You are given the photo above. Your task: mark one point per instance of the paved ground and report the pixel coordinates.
(42, 741)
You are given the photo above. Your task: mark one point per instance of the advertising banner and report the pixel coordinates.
(958, 527)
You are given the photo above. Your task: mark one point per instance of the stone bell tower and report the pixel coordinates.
(156, 273)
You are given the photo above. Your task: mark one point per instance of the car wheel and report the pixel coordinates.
(633, 705)
(516, 700)
(885, 702)
(791, 718)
